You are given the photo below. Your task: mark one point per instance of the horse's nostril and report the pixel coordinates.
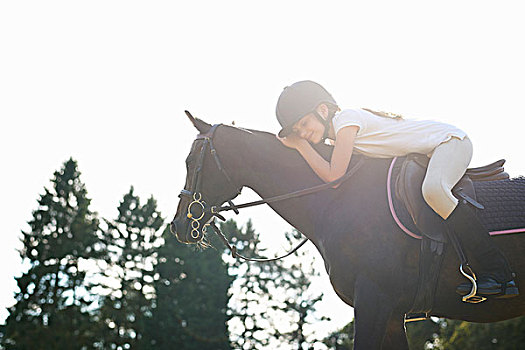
(173, 227)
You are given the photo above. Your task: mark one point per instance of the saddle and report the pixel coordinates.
(408, 191)
(432, 227)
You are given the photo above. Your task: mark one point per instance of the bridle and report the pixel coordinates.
(195, 194)
(202, 214)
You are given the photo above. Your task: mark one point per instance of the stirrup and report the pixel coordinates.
(471, 298)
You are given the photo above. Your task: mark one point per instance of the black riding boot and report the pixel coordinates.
(494, 277)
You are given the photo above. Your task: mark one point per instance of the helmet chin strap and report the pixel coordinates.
(326, 124)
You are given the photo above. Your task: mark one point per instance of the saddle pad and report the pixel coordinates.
(504, 202)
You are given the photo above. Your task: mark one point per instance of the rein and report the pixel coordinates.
(235, 254)
(214, 211)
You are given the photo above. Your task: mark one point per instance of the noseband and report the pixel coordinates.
(204, 209)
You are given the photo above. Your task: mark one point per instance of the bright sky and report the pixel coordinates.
(106, 82)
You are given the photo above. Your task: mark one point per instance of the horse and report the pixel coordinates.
(371, 263)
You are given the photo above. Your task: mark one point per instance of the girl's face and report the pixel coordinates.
(309, 128)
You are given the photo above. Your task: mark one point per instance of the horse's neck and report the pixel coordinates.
(259, 162)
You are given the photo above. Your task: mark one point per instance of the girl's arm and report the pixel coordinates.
(333, 170)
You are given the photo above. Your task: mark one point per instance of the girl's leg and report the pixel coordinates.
(446, 167)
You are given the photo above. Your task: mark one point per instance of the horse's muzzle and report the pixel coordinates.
(174, 230)
(183, 232)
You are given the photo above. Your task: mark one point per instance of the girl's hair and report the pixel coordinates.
(385, 114)
(332, 109)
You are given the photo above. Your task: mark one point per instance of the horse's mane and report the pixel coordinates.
(270, 140)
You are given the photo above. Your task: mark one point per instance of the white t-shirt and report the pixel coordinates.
(383, 137)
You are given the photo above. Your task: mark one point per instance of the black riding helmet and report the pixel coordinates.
(298, 100)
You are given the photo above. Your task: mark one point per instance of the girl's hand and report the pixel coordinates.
(292, 141)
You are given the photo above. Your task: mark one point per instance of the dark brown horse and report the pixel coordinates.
(372, 264)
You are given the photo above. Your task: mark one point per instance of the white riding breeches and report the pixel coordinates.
(446, 167)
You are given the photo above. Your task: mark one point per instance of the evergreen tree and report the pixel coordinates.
(296, 299)
(271, 303)
(422, 333)
(131, 241)
(504, 335)
(342, 338)
(189, 311)
(52, 309)
(419, 334)
(249, 325)
(449, 335)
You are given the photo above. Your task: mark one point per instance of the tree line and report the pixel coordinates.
(126, 283)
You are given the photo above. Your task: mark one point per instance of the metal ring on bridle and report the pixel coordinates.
(195, 236)
(196, 200)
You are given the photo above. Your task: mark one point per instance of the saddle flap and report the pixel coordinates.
(408, 190)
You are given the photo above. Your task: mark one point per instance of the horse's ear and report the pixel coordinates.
(202, 126)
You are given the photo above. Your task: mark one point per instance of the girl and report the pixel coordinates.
(308, 115)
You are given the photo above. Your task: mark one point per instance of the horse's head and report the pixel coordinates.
(208, 186)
